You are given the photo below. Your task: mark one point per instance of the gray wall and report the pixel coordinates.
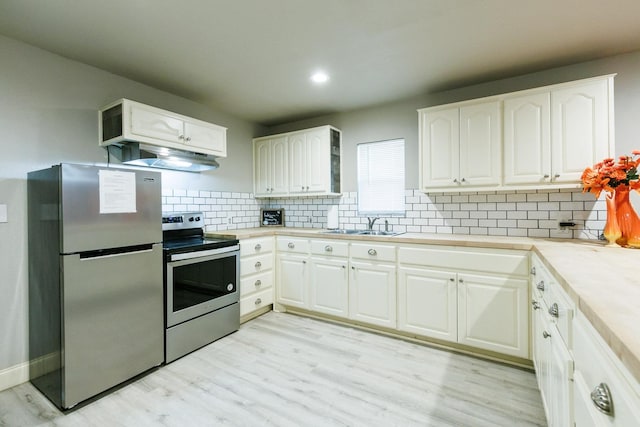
(48, 115)
(400, 119)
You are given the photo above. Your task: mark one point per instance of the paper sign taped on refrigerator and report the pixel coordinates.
(117, 191)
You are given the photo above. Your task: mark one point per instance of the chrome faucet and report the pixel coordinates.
(371, 221)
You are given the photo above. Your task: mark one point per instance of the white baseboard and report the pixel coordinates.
(14, 375)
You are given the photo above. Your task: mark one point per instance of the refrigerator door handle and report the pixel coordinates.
(106, 253)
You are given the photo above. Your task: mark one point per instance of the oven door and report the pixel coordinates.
(200, 282)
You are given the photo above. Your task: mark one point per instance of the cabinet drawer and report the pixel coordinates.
(256, 301)
(373, 251)
(498, 261)
(329, 248)
(541, 281)
(292, 245)
(255, 264)
(256, 282)
(561, 310)
(596, 364)
(256, 246)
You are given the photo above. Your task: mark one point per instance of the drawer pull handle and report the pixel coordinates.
(554, 310)
(258, 247)
(545, 334)
(258, 264)
(601, 397)
(328, 248)
(372, 252)
(258, 282)
(291, 245)
(540, 285)
(533, 271)
(535, 305)
(258, 301)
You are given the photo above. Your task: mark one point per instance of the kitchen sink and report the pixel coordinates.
(362, 232)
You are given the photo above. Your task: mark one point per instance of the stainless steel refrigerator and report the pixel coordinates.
(95, 279)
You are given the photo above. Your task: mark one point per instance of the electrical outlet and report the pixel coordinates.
(565, 226)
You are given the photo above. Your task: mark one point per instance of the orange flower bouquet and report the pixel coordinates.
(617, 179)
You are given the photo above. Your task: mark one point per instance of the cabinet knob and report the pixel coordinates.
(464, 180)
(290, 245)
(545, 334)
(554, 310)
(372, 252)
(556, 175)
(258, 282)
(304, 261)
(540, 285)
(258, 264)
(344, 266)
(307, 188)
(258, 301)
(533, 271)
(601, 398)
(451, 279)
(180, 136)
(328, 248)
(460, 280)
(546, 175)
(188, 139)
(258, 247)
(303, 188)
(455, 180)
(535, 305)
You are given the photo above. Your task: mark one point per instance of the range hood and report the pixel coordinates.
(141, 154)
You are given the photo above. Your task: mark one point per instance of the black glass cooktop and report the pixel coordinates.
(197, 243)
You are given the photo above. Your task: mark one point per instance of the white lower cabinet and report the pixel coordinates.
(427, 303)
(329, 278)
(493, 314)
(440, 298)
(292, 273)
(605, 393)
(372, 293)
(256, 276)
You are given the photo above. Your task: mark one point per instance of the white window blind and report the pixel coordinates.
(381, 178)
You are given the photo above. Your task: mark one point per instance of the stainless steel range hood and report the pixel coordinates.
(140, 154)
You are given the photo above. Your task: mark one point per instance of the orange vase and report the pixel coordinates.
(627, 219)
(612, 230)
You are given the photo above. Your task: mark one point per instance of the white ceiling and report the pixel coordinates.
(253, 58)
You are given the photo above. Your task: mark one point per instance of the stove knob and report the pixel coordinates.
(190, 219)
(197, 218)
(230, 287)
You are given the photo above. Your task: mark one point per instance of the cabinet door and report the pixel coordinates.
(279, 167)
(480, 137)
(527, 139)
(372, 293)
(493, 313)
(262, 168)
(560, 382)
(292, 280)
(440, 148)
(579, 129)
(153, 124)
(427, 303)
(329, 286)
(541, 343)
(318, 161)
(211, 139)
(297, 162)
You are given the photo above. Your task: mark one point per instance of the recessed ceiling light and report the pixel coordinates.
(319, 77)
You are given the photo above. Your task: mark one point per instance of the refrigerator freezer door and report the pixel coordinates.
(113, 326)
(104, 207)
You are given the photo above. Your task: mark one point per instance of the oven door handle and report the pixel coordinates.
(201, 254)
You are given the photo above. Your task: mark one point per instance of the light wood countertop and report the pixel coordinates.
(602, 281)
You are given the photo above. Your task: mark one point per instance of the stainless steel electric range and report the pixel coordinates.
(201, 279)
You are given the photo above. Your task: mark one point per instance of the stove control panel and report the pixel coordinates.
(182, 220)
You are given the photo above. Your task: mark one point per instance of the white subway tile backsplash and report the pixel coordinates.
(520, 213)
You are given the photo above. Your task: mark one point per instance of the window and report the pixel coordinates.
(381, 178)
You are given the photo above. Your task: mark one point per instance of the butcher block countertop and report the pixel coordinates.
(603, 282)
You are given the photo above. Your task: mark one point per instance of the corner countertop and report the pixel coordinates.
(600, 280)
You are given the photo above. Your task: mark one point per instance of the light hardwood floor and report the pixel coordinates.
(286, 370)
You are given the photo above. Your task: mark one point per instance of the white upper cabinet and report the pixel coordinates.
(270, 157)
(312, 165)
(537, 138)
(580, 128)
(527, 139)
(126, 120)
(460, 146)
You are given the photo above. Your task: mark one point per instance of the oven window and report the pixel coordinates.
(203, 281)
